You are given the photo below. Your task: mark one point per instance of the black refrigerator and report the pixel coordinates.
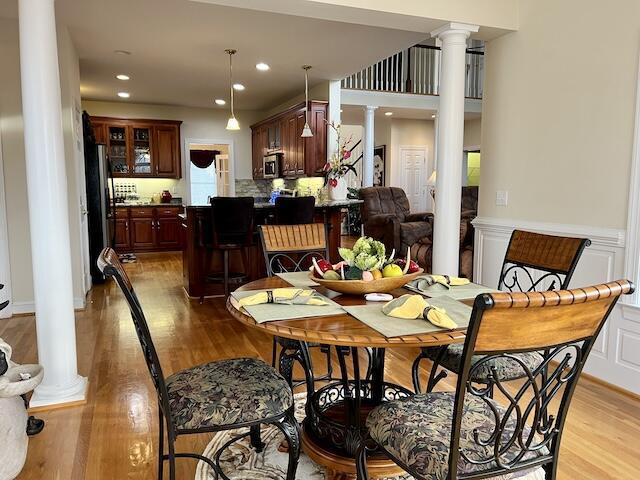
(99, 182)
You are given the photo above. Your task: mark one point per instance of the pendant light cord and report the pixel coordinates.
(231, 52)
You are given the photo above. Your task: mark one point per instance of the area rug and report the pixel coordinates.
(241, 462)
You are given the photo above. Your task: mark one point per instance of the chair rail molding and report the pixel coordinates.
(616, 354)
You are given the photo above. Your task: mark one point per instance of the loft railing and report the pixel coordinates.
(416, 70)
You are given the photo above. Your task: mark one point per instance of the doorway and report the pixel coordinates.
(413, 176)
(209, 170)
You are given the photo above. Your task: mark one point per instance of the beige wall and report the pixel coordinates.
(15, 183)
(558, 113)
(197, 123)
(317, 92)
(472, 133)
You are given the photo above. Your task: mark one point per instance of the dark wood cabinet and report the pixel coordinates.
(281, 133)
(146, 228)
(140, 148)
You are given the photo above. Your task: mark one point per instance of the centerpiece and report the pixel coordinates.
(365, 268)
(338, 166)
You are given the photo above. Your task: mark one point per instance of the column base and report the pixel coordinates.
(45, 397)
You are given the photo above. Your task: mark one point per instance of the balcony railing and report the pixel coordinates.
(416, 70)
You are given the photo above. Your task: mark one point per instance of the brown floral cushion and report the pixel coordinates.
(227, 392)
(417, 431)
(506, 368)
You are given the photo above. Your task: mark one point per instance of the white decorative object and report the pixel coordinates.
(339, 190)
(13, 413)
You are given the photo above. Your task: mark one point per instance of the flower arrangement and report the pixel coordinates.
(338, 165)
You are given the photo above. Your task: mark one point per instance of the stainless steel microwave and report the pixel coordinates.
(271, 165)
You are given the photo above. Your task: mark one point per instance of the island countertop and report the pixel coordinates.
(198, 260)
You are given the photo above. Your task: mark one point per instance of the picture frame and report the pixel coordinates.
(379, 165)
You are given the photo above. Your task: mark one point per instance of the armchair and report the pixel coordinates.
(386, 216)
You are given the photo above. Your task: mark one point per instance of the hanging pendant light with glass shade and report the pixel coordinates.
(306, 131)
(232, 124)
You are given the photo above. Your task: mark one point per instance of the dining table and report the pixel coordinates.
(336, 411)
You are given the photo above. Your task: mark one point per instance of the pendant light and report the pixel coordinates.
(306, 131)
(232, 124)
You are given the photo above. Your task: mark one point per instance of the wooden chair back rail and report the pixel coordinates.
(536, 320)
(293, 238)
(545, 252)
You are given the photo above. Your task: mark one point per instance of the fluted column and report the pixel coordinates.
(48, 205)
(450, 136)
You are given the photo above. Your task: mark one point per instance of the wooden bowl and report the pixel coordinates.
(360, 287)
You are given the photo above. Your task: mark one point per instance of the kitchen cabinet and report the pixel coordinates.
(140, 148)
(300, 156)
(147, 228)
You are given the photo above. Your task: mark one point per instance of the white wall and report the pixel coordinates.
(197, 123)
(472, 133)
(11, 131)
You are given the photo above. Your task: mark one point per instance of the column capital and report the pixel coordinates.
(370, 108)
(455, 28)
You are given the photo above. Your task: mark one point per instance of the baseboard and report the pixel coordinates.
(29, 308)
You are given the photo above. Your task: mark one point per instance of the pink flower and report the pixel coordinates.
(327, 167)
(347, 154)
(333, 182)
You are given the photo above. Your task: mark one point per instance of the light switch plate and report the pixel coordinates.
(502, 198)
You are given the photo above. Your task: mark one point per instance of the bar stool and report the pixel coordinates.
(294, 210)
(231, 229)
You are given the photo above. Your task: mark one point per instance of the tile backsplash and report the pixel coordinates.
(263, 188)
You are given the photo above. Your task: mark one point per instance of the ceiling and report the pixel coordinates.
(177, 50)
(354, 115)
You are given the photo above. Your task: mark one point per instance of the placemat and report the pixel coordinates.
(371, 315)
(298, 279)
(270, 312)
(460, 292)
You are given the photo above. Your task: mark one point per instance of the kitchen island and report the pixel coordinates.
(195, 228)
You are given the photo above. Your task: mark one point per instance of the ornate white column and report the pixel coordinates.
(48, 206)
(450, 137)
(367, 151)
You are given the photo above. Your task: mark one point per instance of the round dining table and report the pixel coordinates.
(336, 411)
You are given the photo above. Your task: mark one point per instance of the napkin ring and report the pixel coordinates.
(270, 296)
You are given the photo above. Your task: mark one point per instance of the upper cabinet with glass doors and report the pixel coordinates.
(140, 148)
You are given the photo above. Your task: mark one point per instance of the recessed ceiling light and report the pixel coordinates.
(433, 115)
(122, 52)
(238, 86)
(220, 101)
(122, 77)
(124, 94)
(341, 110)
(262, 66)
(388, 114)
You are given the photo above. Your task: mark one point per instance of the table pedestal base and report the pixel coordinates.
(343, 467)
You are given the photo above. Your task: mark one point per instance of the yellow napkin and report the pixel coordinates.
(425, 281)
(415, 306)
(285, 296)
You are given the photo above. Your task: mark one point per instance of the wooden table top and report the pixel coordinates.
(343, 329)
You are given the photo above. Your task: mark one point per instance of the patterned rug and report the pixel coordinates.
(241, 462)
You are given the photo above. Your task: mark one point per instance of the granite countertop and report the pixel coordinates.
(149, 204)
(319, 204)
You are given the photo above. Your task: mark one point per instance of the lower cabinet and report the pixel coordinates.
(141, 229)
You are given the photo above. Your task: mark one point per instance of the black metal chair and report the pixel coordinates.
(294, 210)
(231, 229)
(217, 396)
(467, 434)
(533, 262)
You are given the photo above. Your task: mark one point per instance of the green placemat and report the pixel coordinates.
(270, 312)
(298, 279)
(372, 316)
(461, 292)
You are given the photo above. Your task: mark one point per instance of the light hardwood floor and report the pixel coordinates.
(114, 436)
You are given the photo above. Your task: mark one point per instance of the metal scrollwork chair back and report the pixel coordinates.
(520, 429)
(173, 397)
(536, 262)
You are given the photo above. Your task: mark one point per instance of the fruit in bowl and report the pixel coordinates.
(365, 268)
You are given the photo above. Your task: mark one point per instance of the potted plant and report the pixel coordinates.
(338, 166)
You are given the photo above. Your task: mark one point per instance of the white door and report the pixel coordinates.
(413, 174)
(222, 168)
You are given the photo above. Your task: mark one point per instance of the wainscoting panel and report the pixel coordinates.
(615, 357)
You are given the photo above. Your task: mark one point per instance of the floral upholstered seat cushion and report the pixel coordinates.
(506, 368)
(417, 432)
(227, 392)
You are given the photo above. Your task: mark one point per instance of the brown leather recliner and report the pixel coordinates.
(386, 217)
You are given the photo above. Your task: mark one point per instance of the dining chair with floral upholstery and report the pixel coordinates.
(213, 397)
(467, 434)
(533, 262)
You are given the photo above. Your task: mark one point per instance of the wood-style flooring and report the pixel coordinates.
(114, 436)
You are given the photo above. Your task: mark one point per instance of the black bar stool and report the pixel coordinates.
(294, 210)
(231, 229)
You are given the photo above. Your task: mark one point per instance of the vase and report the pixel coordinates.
(339, 191)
